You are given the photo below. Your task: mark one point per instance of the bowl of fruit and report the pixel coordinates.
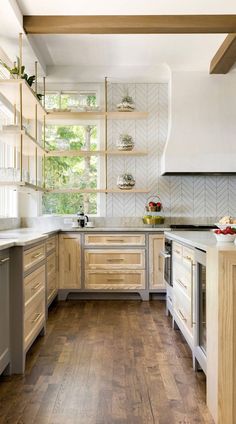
(227, 235)
(154, 204)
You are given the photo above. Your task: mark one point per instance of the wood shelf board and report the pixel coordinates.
(67, 153)
(12, 138)
(75, 190)
(24, 184)
(51, 116)
(10, 88)
(75, 115)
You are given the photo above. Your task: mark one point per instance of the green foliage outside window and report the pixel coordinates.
(71, 172)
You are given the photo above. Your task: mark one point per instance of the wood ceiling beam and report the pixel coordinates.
(225, 56)
(140, 24)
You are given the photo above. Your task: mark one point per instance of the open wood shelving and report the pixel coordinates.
(11, 137)
(74, 153)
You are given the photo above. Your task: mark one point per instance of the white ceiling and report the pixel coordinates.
(124, 7)
(107, 52)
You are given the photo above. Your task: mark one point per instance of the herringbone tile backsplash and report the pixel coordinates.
(181, 196)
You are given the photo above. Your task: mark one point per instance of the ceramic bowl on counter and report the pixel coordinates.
(225, 238)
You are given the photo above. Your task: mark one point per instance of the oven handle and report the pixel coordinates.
(165, 255)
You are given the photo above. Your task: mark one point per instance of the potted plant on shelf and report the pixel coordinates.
(126, 105)
(125, 142)
(19, 71)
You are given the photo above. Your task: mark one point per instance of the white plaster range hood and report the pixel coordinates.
(202, 124)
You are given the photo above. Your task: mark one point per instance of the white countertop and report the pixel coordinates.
(27, 236)
(204, 240)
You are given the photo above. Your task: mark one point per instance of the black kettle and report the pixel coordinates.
(82, 219)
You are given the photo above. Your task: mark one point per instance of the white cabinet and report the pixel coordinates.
(4, 311)
(183, 290)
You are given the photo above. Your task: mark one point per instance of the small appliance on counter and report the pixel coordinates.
(81, 220)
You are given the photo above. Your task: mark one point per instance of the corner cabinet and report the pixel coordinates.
(4, 311)
(69, 261)
(156, 263)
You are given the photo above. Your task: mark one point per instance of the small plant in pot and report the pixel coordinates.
(126, 104)
(125, 181)
(125, 142)
(19, 71)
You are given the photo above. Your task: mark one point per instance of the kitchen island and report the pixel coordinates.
(220, 320)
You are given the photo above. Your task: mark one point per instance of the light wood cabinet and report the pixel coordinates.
(4, 311)
(156, 262)
(69, 261)
(115, 259)
(34, 256)
(108, 280)
(114, 240)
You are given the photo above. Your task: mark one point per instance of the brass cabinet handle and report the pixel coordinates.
(181, 283)
(69, 260)
(37, 255)
(37, 317)
(177, 251)
(115, 260)
(188, 258)
(116, 240)
(3, 261)
(182, 315)
(36, 286)
(116, 280)
(191, 311)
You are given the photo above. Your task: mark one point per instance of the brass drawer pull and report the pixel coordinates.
(177, 251)
(188, 258)
(117, 280)
(181, 283)
(182, 316)
(37, 255)
(116, 240)
(36, 286)
(115, 260)
(3, 261)
(37, 317)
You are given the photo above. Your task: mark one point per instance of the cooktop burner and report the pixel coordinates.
(188, 227)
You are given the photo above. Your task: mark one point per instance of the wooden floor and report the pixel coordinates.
(105, 362)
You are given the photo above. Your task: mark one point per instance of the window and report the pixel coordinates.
(72, 171)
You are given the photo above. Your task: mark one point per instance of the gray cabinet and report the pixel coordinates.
(4, 311)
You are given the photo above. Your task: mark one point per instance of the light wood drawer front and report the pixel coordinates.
(51, 288)
(182, 308)
(51, 244)
(177, 250)
(121, 259)
(33, 256)
(34, 283)
(125, 280)
(115, 239)
(34, 317)
(51, 265)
